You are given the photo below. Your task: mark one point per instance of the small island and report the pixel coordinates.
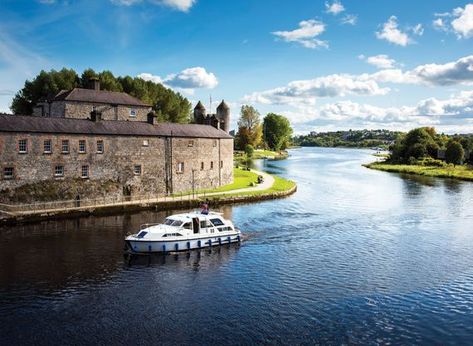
(424, 152)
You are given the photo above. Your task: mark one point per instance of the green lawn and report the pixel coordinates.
(458, 172)
(280, 185)
(243, 179)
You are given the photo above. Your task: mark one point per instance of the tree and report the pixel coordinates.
(454, 153)
(417, 143)
(249, 150)
(250, 130)
(277, 131)
(42, 86)
(169, 106)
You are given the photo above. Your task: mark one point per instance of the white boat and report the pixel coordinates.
(182, 232)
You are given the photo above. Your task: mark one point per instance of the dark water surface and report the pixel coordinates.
(355, 256)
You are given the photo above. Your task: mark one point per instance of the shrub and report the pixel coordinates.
(417, 151)
(249, 150)
(454, 153)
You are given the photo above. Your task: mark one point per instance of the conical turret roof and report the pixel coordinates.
(199, 106)
(223, 105)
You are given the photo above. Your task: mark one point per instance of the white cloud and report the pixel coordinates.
(391, 33)
(334, 8)
(304, 93)
(181, 5)
(380, 61)
(349, 19)
(47, 2)
(150, 77)
(463, 23)
(306, 34)
(418, 30)
(192, 78)
(454, 113)
(457, 72)
(439, 24)
(186, 80)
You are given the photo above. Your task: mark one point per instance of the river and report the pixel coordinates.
(355, 256)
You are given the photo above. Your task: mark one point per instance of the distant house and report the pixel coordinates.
(80, 102)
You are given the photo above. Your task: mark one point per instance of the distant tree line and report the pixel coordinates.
(168, 105)
(351, 138)
(274, 132)
(424, 143)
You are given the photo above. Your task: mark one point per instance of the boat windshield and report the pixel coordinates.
(171, 222)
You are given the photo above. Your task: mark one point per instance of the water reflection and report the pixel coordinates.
(355, 256)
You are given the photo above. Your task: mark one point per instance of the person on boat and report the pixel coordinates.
(205, 208)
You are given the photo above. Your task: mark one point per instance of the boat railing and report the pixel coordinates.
(146, 225)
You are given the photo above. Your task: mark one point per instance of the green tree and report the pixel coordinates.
(250, 130)
(41, 87)
(249, 150)
(167, 104)
(277, 131)
(454, 153)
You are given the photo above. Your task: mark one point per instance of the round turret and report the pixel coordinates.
(223, 115)
(199, 113)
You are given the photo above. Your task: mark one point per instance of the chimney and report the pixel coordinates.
(95, 116)
(151, 118)
(94, 84)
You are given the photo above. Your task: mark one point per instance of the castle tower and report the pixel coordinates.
(200, 114)
(223, 115)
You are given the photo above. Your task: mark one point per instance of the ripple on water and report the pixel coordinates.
(355, 256)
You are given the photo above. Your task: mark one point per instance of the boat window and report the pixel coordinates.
(141, 234)
(172, 235)
(203, 224)
(168, 222)
(176, 223)
(187, 225)
(217, 222)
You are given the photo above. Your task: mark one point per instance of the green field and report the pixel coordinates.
(458, 172)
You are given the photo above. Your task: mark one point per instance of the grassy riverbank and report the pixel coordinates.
(240, 157)
(243, 179)
(457, 172)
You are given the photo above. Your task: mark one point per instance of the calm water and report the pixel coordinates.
(355, 256)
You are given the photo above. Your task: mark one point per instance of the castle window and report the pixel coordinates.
(82, 146)
(215, 142)
(100, 147)
(191, 144)
(211, 165)
(84, 172)
(137, 170)
(180, 167)
(47, 146)
(22, 146)
(201, 166)
(146, 143)
(59, 171)
(221, 164)
(65, 146)
(132, 112)
(8, 172)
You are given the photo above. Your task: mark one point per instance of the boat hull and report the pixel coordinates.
(150, 246)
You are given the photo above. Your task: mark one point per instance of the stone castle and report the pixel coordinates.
(91, 142)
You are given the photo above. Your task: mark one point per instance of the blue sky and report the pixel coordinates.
(326, 65)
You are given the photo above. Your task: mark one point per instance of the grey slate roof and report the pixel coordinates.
(98, 96)
(223, 105)
(33, 124)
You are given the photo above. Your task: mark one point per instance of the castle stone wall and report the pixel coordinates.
(116, 164)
